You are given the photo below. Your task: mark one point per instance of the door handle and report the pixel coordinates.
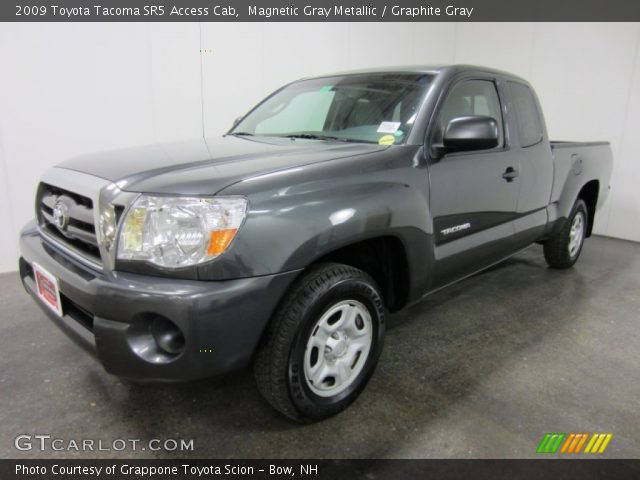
(510, 174)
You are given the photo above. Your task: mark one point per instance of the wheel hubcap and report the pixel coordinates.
(338, 348)
(576, 234)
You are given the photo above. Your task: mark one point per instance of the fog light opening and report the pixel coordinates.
(167, 336)
(155, 338)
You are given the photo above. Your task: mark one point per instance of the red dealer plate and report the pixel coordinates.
(47, 289)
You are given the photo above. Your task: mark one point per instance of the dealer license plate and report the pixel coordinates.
(47, 289)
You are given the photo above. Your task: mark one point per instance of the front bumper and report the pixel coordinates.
(109, 314)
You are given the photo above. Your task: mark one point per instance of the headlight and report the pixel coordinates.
(178, 232)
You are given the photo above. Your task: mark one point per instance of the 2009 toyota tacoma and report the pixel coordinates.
(285, 242)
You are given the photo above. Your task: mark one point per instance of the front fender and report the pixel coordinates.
(300, 215)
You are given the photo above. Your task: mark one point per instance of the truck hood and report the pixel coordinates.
(206, 166)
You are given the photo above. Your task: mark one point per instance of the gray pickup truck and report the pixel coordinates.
(285, 243)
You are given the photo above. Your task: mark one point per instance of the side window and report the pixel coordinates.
(527, 114)
(472, 97)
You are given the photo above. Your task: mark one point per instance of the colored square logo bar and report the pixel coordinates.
(574, 442)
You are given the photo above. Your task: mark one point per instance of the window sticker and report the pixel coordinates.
(389, 127)
(326, 88)
(387, 140)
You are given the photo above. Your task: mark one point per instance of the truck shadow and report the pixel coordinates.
(438, 353)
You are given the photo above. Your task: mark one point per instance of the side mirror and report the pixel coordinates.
(470, 133)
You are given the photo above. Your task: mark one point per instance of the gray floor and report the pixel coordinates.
(481, 369)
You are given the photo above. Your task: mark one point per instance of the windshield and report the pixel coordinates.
(371, 108)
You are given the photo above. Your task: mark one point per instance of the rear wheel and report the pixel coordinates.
(563, 250)
(323, 343)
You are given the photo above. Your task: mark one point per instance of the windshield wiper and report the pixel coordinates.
(242, 134)
(313, 136)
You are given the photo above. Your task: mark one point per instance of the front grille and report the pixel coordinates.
(77, 229)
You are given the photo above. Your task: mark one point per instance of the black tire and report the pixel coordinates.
(557, 251)
(279, 366)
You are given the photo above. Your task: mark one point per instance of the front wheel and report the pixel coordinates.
(563, 250)
(323, 343)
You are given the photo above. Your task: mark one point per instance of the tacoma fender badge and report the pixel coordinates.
(455, 228)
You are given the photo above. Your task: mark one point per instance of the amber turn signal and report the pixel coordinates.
(220, 240)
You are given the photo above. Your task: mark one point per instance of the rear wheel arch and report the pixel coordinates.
(563, 249)
(589, 195)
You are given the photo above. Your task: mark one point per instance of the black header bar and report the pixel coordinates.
(320, 11)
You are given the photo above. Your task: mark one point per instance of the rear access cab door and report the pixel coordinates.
(532, 151)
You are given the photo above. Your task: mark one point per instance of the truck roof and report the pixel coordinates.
(433, 69)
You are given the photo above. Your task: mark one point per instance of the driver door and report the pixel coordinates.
(473, 195)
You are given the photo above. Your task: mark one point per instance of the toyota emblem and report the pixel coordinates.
(61, 215)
